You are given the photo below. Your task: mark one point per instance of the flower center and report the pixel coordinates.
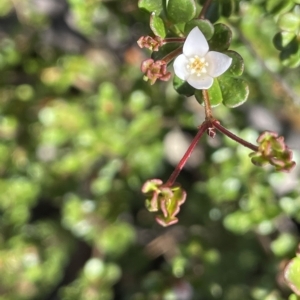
(197, 65)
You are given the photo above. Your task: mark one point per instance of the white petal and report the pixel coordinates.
(218, 63)
(179, 66)
(202, 82)
(195, 44)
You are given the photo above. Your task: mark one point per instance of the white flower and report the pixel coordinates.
(197, 65)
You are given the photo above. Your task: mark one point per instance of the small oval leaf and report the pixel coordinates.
(289, 22)
(228, 7)
(221, 39)
(204, 25)
(151, 5)
(214, 93)
(235, 91)
(181, 11)
(237, 66)
(290, 58)
(182, 87)
(213, 11)
(283, 39)
(279, 6)
(292, 275)
(157, 26)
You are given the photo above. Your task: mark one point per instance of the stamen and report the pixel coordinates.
(197, 65)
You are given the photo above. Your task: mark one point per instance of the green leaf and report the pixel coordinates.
(283, 245)
(182, 87)
(235, 91)
(204, 25)
(292, 274)
(289, 22)
(214, 92)
(213, 11)
(290, 56)
(292, 61)
(181, 11)
(221, 39)
(294, 297)
(279, 6)
(237, 66)
(288, 43)
(228, 7)
(238, 222)
(157, 26)
(283, 39)
(151, 5)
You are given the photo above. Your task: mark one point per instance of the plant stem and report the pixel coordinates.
(203, 127)
(204, 9)
(174, 40)
(234, 137)
(207, 124)
(169, 57)
(207, 107)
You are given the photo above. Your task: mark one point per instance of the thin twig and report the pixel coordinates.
(234, 137)
(203, 127)
(207, 106)
(174, 40)
(169, 57)
(204, 9)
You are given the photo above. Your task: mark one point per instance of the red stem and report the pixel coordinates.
(204, 9)
(169, 57)
(234, 137)
(204, 126)
(207, 106)
(174, 40)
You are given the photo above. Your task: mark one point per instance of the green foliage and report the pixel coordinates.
(151, 5)
(180, 11)
(221, 38)
(289, 22)
(279, 7)
(182, 87)
(81, 131)
(287, 40)
(204, 25)
(220, 8)
(291, 274)
(157, 26)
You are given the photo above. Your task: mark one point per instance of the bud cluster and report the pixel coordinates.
(155, 70)
(151, 43)
(273, 150)
(166, 200)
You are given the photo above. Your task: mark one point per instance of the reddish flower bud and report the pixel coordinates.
(151, 43)
(273, 150)
(155, 70)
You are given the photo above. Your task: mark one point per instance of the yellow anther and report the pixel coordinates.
(197, 65)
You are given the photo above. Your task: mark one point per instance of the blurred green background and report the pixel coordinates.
(80, 133)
